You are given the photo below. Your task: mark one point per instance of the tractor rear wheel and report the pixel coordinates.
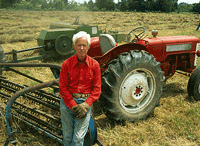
(193, 87)
(131, 86)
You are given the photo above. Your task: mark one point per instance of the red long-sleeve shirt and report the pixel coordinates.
(77, 78)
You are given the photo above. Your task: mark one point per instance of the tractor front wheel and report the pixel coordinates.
(193, 87)
(131, 86)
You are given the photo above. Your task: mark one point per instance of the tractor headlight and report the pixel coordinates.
(154, 33)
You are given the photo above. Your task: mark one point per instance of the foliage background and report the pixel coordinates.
(101, 5)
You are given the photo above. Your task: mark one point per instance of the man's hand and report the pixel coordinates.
(85, 106)
(79, 111)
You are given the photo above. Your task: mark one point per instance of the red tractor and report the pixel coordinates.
(133, 74)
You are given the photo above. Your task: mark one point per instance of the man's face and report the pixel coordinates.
(81, 48)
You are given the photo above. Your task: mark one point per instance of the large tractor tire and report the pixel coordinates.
(193, 87)
(131, 86)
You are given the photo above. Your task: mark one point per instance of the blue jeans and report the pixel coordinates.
(198, 26)
(74, 130)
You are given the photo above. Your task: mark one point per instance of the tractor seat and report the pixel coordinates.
(106, 42)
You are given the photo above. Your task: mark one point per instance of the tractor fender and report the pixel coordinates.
(116, 51)
(125, 48)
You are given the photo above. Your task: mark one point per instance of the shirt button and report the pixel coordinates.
(81, 69)
(71, 78)
(81, 77)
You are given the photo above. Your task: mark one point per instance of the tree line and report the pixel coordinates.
(101, 5)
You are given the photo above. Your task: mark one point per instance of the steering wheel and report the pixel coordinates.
(137, 37)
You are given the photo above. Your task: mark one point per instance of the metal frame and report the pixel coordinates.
(15, 52)
(6, 67)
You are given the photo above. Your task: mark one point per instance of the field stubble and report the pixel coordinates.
(174, 122)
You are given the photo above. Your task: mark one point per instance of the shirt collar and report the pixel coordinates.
(75, 60)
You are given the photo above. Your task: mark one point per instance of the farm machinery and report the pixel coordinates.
(56, 42)
(133, 75)
(57, 39)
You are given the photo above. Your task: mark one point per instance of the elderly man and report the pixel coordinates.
(80, 86)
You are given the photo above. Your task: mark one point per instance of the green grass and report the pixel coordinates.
(27, 72)
(186, 123)
(33, 83)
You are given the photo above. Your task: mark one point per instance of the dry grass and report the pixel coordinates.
(22, 26)
(174, 122)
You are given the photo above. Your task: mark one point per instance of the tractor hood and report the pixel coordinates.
(161, 47)
(178, 39)
(172, 40)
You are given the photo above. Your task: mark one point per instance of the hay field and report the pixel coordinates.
(174, 122)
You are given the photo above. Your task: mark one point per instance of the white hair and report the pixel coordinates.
(79, 35)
